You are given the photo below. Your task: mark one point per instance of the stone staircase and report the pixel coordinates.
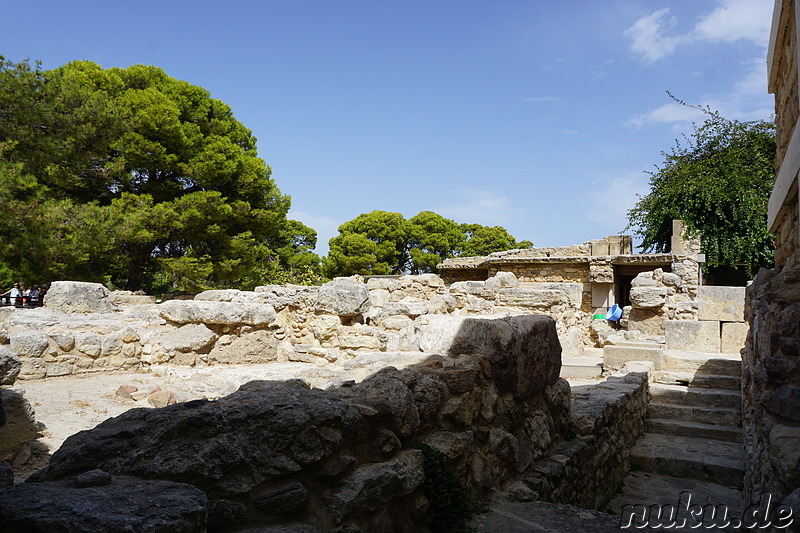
(693, 429)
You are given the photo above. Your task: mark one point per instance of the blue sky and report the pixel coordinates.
(539, 116)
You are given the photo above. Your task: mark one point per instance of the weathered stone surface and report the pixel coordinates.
(256, 347)
(647, 322)
(285, 498)
(408, 308)
(343, 297)
(124, 504)
(226, 447)
(224, 313)
(648, 297)
(785, 402)
(281, 296)
(702, 336)
(88, 343)
(573, 292)
(78, 297)
(523, 351)
(785, 446)
(6, 473)
(10, 365)
(188, 338)
(372, 485)
(520, 297)
(502, 280)
(20, 427)
(734, 336)
(230, 295)
(65, 341)
(725, 304)
(29, 344)
(130, 298)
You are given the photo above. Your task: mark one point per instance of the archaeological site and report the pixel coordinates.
(575, 388)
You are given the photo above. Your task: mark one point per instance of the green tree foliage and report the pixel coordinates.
(134, 178)
(719, 183)
(380, 242)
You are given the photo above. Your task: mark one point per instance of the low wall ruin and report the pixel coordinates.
(486, 395)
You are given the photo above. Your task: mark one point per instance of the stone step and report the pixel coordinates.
(704, 363)
(690, 457)
(615, 357)
(693, 429)
(713, 381)
(701, 396)
(720, 416)
(581, 367)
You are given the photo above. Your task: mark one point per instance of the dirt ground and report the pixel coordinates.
(69, 404)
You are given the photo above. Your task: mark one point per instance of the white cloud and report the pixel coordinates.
(755, 82)
(612, 199)
(326, 228)
(648, 39)
(481, 206)
(737, 19)
(731, 21)
(668, 113)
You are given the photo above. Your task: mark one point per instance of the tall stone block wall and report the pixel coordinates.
(771, 358)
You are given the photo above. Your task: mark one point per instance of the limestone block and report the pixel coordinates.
(523, 351)
(378, 297)
(442, 304)
(29, 344)
(88, 343)
(111, 344)
(282, 296)
(78, 297)
(230, 295)
(616, 357)
(32, 369)
(648, 297)
(647, 322)
(256, 347)
(58, 369)
(725, 304)
(65, 341)
(690, 335)
(530, 298)
(601, 272)
(602, 295)
(734, 336)
(573, 292)
(343, 297)
(408, 308)
(502, 280)
(477, 288)
(188, 338)
(10, 366)
(324, 326)
(227, 313)
(129, 298)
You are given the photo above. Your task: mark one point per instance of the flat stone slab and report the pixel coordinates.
(701, 396)
(693, 335)
(581, 367)
(690, 457)
(703, 362)
(531, 517)
(725, 304)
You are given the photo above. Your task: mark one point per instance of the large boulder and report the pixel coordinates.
(78, 297)
(108, 503)
(524, 351)
(188, 338)
(344, 297)
(223, 313)
(20, 426)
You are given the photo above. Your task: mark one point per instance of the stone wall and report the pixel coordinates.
(86, 332)
(771, 358)
(282, 454)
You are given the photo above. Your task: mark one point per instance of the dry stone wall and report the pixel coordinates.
(286, 455)
(81, 329)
